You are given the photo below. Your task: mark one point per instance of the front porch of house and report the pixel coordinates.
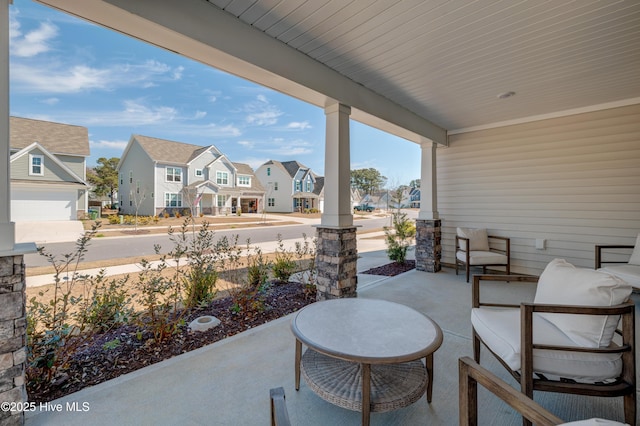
(227, 383)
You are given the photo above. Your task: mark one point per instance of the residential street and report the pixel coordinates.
(143, 245)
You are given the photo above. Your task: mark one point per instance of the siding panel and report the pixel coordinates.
(574, 181)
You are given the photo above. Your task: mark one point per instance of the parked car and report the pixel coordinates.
(364, 208)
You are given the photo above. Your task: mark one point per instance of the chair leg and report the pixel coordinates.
(630, 409)
(476, 347)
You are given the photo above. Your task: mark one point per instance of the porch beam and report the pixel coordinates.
(199, 30)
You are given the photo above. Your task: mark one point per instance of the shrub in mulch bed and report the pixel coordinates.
(392, 269)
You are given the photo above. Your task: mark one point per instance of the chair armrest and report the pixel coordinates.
(279, 413)
(458, 246)
(627, 348)
(507, 242)
(600, 247)
(477, 279)
(471, 373)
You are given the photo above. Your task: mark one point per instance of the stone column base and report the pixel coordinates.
(13, 328)
(337, 256)
(428, 245)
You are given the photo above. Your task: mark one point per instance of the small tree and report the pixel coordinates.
(104, 177)
(138, 196)
(399, 237)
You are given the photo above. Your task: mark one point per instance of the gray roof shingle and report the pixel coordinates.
(57, 138)
(167, 151)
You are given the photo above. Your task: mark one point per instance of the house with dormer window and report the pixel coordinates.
(158, 176)
(290, 186)
(48, 170)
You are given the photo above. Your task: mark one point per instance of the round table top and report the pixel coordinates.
(367, 330)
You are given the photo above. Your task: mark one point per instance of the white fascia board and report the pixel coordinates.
(199, 30)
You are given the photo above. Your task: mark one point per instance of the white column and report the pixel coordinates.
(7, 228)
(428, 181)
(337, 168)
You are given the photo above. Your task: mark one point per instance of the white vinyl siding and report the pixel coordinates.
(573, 181)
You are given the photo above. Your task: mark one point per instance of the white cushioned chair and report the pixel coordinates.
(628, 271)
(474, 247)
(568, 339)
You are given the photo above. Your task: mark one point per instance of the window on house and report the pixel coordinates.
(130, 176)
(172, 199)
(244, 181)
(199, 172)
(275, 186)
(174, 174)
(137, 187)
(222, 200)
(271, 202)
(309, 186)
(268, 171)
(222, 178)
(121, 179)
(298, 186)
(36, 163)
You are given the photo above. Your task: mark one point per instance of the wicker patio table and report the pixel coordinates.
(365, 354)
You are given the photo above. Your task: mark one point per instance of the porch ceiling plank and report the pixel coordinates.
(408, 67)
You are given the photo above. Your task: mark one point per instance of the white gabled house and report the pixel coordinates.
(158, 176)
(290, 186)
(48, 170)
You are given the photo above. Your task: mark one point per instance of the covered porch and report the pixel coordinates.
(528, 121)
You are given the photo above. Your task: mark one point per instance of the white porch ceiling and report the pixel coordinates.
(422, 65)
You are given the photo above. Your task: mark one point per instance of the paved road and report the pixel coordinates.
(123, 247)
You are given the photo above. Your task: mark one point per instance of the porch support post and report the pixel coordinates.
(337, 249)
(7, 228)
(13, 322)
(428, 224)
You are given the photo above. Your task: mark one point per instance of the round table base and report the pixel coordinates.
(339, 382)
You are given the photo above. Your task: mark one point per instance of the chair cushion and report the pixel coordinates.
(561, 283)
(499, 329)
(629, 273)
(482, 258)
(635, 255)
(478, 239)
(593, 422)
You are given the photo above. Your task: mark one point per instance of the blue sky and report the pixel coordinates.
(67, 70)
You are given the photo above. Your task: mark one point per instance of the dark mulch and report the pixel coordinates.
(392, 269)
(92, 363)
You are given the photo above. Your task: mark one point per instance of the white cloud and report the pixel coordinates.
(50, 101)
(253, 162)
(260, 112)
(283, 148)
(177, 73)
(200, 114)
(33, 42)
(212, 98)
(299, 125)
(108, 144)
(246, 144)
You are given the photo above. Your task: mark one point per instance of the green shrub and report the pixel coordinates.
(399, 237)
(283, 264)
(108, 303)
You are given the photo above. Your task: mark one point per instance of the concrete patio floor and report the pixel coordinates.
(228, 382)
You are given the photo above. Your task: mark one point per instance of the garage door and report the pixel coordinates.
(29, 205)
